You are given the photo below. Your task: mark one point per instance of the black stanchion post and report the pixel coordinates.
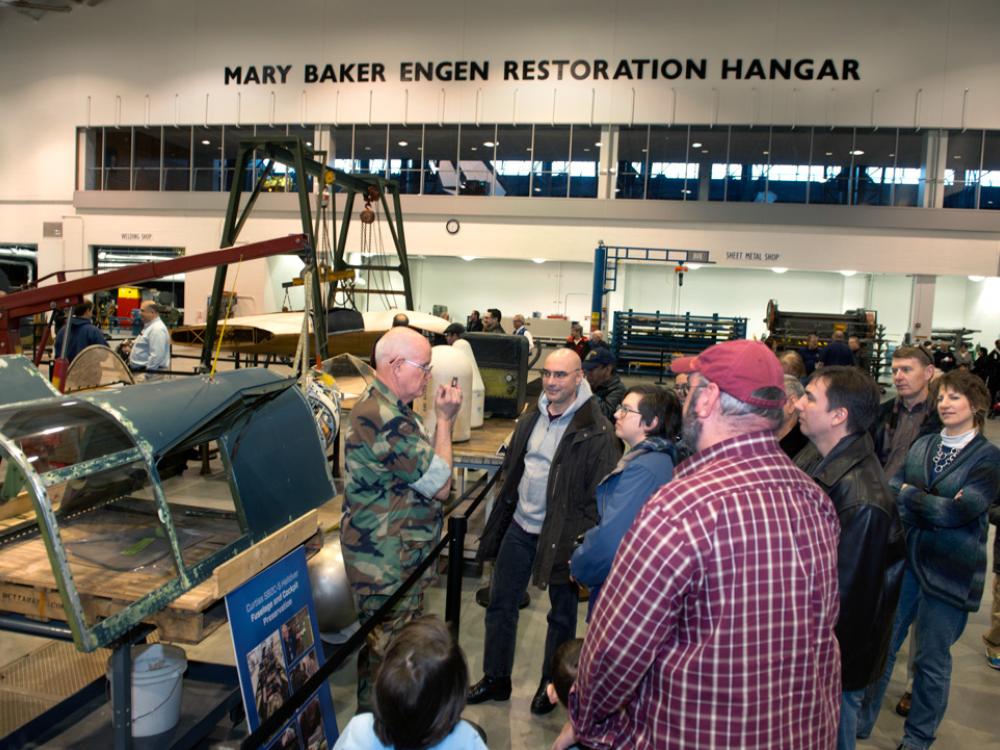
(457, 525)
(121, 694)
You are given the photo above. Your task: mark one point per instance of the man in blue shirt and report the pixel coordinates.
(151, 350)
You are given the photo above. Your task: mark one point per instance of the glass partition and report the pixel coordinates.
(669, 168)
(632, 164)
(439, 157)
(512, 164)
(370, 149)
(477, 149)
(177, 158)
(788, 164)
(117, 158)
(405, 148)
(550, 163)
(961, 170)
(831, 163)
(989, 182)
(708, 149)
(146, 165)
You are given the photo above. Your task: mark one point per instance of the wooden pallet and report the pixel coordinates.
(27, 585)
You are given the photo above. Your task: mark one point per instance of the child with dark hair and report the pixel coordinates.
(419, 696)
(565, 663)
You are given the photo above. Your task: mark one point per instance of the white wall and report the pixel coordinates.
(514, 286)
(890, 296)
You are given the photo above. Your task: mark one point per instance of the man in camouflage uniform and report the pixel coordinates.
(396, 481)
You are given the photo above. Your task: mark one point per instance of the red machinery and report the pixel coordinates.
(64, 294)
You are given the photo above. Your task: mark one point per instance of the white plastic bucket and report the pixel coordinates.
(157, 684)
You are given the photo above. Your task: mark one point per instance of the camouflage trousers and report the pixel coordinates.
(370, 656)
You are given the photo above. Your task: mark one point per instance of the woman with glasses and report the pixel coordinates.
(648, 420)
(944, 491)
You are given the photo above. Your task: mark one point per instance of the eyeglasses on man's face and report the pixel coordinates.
(426, 368)
(558, 374)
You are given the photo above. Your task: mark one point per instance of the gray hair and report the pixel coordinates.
(794, 387)
(733, 408)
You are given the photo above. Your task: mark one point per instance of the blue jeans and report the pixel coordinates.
(847, 731)
(937, 626)
(511, 576)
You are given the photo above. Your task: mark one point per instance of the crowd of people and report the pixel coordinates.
(755, 557)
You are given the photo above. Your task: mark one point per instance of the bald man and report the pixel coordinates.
(558, 454)
(396, 480)
(151, 350)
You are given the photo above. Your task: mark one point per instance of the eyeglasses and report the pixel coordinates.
(558, 374)
(426, 368)
(622, 409)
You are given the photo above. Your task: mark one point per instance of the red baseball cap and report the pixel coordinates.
(739, 368)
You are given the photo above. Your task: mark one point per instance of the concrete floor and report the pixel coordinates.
(975, 688)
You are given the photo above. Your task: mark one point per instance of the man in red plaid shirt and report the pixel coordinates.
(715, 628)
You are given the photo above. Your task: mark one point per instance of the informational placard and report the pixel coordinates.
(276, 636)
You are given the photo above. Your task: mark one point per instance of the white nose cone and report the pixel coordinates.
(448, 363)
(478, 396)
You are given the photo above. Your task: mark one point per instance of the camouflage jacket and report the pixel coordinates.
(391, 520)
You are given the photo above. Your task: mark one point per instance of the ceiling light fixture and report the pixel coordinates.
(404, 144)
(468, 258)
(857, 152)
(539, 261)
(597, 143)
(206, 142)
(695, 145)
(847, 273)
(779, 269)
(489, 144)
(977, 278)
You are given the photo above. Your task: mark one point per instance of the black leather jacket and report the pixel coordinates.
(586, 454)
(871, 554)
(887, 417)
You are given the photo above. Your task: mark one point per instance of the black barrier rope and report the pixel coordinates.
(456, 534)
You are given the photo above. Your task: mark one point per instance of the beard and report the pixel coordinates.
(691, 431)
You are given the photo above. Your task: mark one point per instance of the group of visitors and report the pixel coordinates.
(754, 594)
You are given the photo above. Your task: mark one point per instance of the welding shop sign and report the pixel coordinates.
(276, 637)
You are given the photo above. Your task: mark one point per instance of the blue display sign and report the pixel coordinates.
(276, 638)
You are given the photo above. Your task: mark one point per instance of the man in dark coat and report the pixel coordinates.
(608, 388)
(837, 352)
(82, 332)
(901, 420)
(558, 455)
(835, 414)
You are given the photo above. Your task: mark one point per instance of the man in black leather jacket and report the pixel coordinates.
(558, 454)
(835, 414)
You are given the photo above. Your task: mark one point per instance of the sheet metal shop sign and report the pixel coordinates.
(592, 69)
